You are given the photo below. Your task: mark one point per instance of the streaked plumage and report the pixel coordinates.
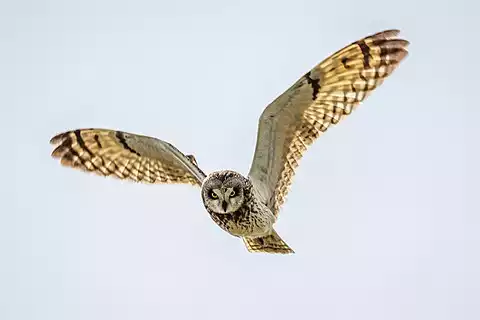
(248, 207)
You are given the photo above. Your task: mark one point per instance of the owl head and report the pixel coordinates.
(224, 192)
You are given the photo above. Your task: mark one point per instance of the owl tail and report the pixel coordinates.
(270, 244)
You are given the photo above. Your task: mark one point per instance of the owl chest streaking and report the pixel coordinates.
(248, 207)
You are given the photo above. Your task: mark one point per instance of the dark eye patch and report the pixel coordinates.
(212, 194)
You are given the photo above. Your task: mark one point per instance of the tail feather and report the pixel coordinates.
(269, 244)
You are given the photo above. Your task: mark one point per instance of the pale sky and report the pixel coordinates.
(381, 213)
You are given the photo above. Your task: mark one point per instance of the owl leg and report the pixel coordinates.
(270, 244)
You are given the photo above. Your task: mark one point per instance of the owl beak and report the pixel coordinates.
(224, 205)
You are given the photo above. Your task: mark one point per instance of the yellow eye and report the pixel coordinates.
(232, 194)
(213, 195)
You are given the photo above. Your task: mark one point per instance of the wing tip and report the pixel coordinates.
(401, 54)
(58, 138)
(390, 34)
(61, 140)
(386, 34)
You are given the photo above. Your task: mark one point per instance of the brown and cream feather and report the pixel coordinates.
(318, 100)
(126, 156)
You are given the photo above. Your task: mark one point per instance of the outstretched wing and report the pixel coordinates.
(126, 156)
(319, 99)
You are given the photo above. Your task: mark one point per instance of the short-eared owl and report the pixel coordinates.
(248, 206)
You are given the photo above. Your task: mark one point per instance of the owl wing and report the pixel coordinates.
(126, 156)
(319, 99)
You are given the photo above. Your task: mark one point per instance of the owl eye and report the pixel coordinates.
(233, 194)
(213, 195)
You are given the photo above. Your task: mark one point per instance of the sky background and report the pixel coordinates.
(382, 214)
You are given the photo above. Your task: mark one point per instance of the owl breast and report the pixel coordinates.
(253, 219)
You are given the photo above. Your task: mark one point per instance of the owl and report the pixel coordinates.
(248, 206)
